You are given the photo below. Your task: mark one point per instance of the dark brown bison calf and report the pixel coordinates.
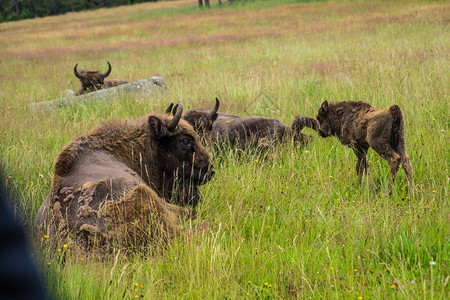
(361, 126)
(95, 80)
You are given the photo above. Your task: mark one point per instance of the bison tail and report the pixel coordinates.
(397, 130)
(301, 122)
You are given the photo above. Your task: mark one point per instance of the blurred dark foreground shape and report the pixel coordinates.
(19, 277)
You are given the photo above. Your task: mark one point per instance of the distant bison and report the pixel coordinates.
(222, 129)
(361, 126)
(113, 184)
(95, 80)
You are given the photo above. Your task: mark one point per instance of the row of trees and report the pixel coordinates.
(11, 10)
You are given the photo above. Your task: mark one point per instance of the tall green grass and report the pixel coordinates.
(291, 224)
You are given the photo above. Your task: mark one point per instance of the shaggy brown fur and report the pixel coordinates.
(361, 126)
(94, 80)
(111, 186)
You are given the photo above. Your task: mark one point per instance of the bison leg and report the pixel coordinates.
(407, 167)
(141, 216)
(388, 154)
(362, 166)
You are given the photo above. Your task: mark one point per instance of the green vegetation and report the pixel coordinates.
(292, 224)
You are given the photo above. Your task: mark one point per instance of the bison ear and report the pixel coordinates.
(214, 114)
(324, 108)
(169, 109)
(156, 127)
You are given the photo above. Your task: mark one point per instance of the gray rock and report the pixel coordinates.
(154, 85)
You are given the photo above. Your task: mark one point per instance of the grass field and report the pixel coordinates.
(293, 225)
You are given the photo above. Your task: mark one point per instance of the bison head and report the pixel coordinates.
(180, 156)
(92, 80)
(324, 121)
(202, 120)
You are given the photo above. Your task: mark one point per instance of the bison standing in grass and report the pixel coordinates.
(223, 129)
(95, 80)
(361, 126)
(113, 185)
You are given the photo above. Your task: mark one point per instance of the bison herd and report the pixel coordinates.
(129, 183)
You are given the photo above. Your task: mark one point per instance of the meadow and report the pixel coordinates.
(294, 224)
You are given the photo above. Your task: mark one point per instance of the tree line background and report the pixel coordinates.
(11, 10)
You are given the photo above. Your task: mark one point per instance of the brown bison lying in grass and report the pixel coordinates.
(361, 126)
(223, 129)
(113, 184)
(258, 131)
(94, 80)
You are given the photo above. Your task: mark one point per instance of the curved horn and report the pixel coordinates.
(174, 110)
(216, 108)
(169, 109)
(107, 72)
(76, 72)
(176, 118)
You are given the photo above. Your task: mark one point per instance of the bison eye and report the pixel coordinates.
(186, 143)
